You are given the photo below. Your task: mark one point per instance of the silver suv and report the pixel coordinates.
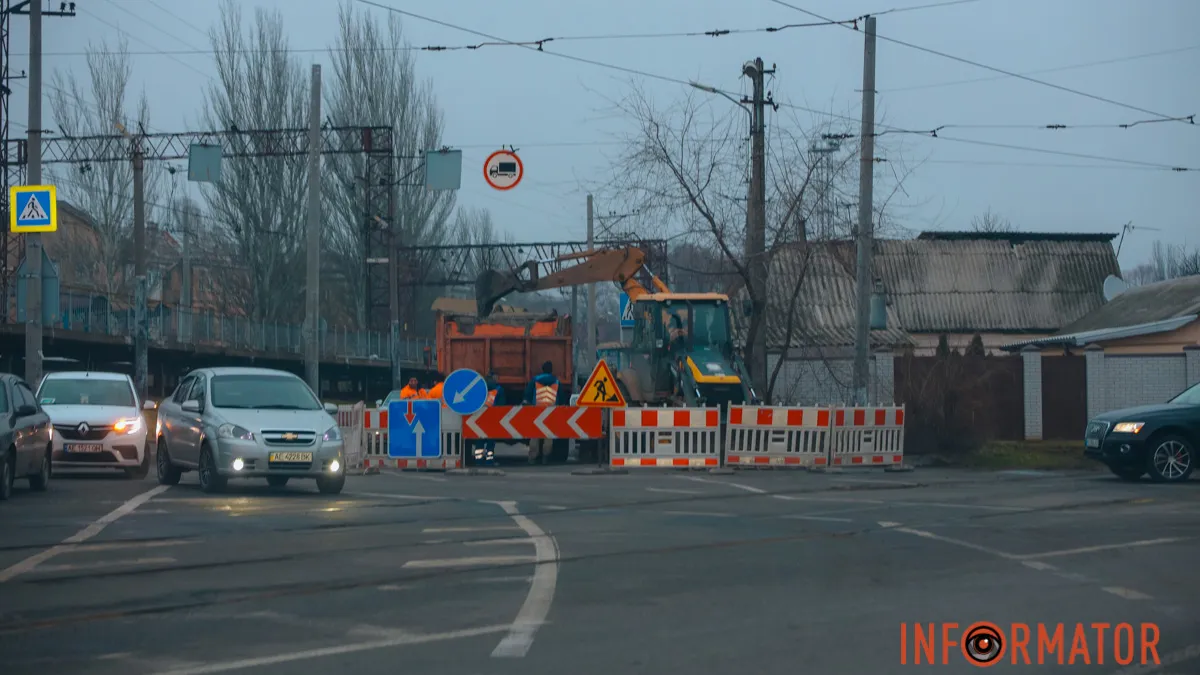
(248, 423)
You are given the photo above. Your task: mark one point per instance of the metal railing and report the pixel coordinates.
(181, 327)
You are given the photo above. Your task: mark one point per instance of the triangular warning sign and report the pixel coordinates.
(601, 390)
(33, 211)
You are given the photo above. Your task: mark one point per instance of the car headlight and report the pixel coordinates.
(234, 431)
(1129, 427)
(130, 425)
(332, 434)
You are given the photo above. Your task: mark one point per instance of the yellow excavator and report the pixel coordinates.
(682, 350)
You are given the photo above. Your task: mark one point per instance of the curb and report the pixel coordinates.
(722, 471)
(903, 468)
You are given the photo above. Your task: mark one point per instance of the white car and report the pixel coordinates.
(97, 421)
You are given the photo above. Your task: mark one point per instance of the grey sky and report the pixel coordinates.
(557, 112)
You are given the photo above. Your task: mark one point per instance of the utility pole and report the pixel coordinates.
(394, 291)
(591, 289)
(185, 287)
(756, 222)
(312, 318)
(33, 242)
(141, 337)
(865, 238)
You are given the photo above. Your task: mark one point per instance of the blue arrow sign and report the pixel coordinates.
(414, 429)
(465, 391)
(626, 311)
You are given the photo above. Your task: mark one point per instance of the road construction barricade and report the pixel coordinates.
(676, 437)
(375, 434)
(528, 422)
(870, 436)
(350, 419)
(759, 436)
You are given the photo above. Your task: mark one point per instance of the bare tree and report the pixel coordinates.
(375, 83)
(259, 204)
(103, 191)
(991, 222)
(474, 226)
(1167, 261)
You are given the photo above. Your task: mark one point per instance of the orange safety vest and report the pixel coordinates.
(422, 393)
(408, 392)
(547, 394)
(435, 393)
(491, 398)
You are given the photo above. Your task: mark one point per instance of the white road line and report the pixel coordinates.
(498, 580)
(739, 486)
(431, 530)
(703, 514)
(828, 519)
(1127, 593)
(398, 641)
(471, 562)
(537, 603)
(499, 542)
(104, 563)
(122, 545)
(1103, 547)
(551, 507)
(81, 536)
(1041, 566)
(1164, 661)
(385, 495)
(956, 542)
(674, 492)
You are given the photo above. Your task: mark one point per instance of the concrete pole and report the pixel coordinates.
(141, 336)
(756, 227)
(185, 289)
(866, 181)
(312, 318)
(590, 358)
(33, 242)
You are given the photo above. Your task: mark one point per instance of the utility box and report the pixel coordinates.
(50, 290)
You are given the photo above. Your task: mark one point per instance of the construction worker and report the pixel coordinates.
(484, 452)
(435, 392)
(542, 390)
(411, 390)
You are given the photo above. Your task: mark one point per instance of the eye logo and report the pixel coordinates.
(983, 644)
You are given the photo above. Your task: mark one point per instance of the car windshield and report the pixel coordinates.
(1190, 396)
(85, 391)
(709, 325)
(259, 392)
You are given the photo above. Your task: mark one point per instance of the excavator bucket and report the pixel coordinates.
(490, 287)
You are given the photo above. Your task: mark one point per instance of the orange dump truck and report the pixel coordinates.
(514, 345)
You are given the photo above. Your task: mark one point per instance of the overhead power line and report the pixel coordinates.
(1001, 71)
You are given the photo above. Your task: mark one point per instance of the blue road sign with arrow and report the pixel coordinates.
(414, 429)
(465, 391)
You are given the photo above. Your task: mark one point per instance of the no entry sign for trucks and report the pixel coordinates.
(503, 170)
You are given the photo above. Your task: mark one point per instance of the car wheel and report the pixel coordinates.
(277, 481)
(1171, 459)
(168, 473)
(8, 469)
(1126, 472)
(331, 486)
(211, 481)
(40, 481)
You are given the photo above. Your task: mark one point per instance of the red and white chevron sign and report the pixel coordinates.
(527, 421)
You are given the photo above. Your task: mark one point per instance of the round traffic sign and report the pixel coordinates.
(464, 391)
(503, 170)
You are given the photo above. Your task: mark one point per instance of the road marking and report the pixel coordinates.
(828, 519)
(739, 486)
(703, 514)
(554, 508)
(430, 530)
(406, 474)
(385, 495)
(70, 567)
(1103, 547)
(122, 545)
(1041, 566)
(674, 492)
(499, 542)
(81, 536)
(1127, 593)
(537, 603)
(471, 562)
(499, 580)
(888, 524)
(398, 641)
(956, 542)
(393, 587)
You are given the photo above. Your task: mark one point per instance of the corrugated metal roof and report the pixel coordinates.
(1144, 304)
(1087, 337)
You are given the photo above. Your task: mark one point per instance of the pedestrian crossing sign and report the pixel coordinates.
(32, 208)
(601, 390)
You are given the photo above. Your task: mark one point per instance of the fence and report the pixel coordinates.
(376, 441)
(681, 437)
(780, 436)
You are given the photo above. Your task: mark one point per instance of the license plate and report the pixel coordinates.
(1093, 442)
(291, 457)
(84, 447)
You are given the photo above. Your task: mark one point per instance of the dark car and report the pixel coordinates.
(1160, 440)
(25, 441)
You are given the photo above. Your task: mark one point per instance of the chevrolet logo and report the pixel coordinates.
(290, 436)
(83, 428)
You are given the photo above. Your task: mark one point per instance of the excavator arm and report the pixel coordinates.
(618, 265)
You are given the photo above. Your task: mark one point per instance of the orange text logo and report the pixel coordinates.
(985, 644)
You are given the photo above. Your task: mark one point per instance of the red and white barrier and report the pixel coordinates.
(350, 419)
(375, 437)
(674, 437)
(508, 422)
(777, 436)
(871, 436)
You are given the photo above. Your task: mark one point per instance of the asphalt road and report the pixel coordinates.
(543, 571)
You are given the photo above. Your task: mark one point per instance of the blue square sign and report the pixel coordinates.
(414, 429)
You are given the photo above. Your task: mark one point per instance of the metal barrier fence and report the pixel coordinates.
(679, 437)
(375, 450)
(867, 437)
(350, 419)
(777, 436)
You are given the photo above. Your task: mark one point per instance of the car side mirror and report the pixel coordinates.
(331, 408)
(149, 405)
(192, 406)
(26, 410)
